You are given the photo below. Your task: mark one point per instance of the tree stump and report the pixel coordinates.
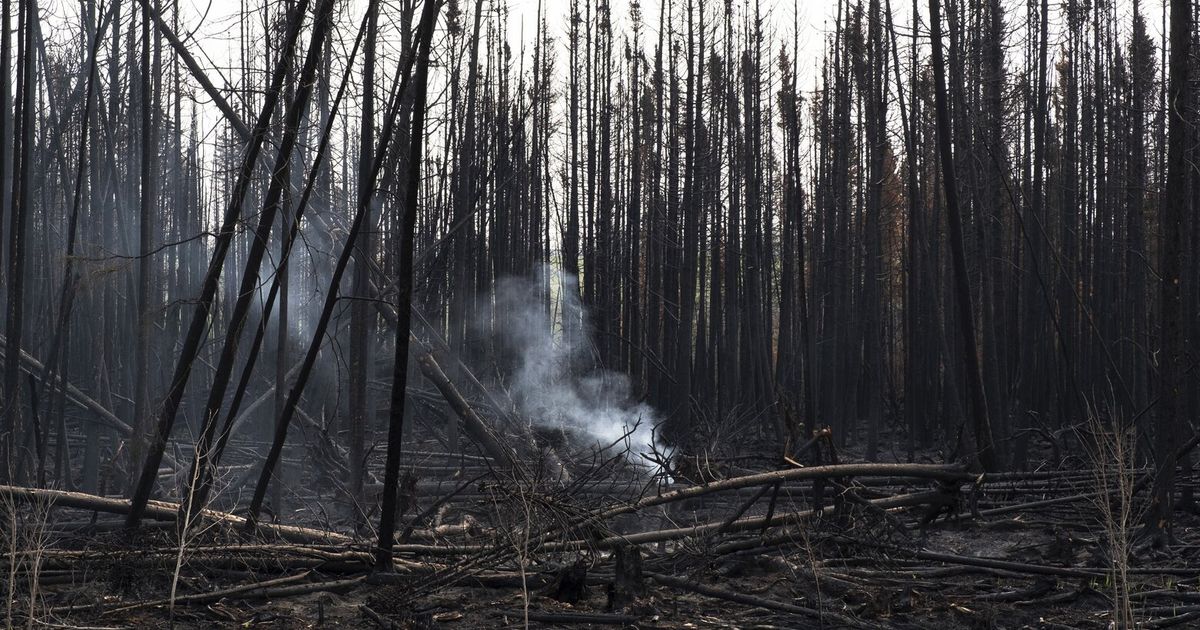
(570, 583)
(628, 583)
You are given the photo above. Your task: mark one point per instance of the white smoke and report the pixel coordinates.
(553, 382)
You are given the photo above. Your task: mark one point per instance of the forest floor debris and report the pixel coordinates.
(885, 546)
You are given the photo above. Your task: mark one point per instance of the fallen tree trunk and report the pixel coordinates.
(678, 533)
(1143, 480)
(82, 400)
(270, 589)
(161, 511)
(596, 619)
(554, 465)
(948, 473)
(1039, 569)
(109, 419)
(1006, 565)
(744, 524)
(751, 600)
(244, 591)
(476, 427)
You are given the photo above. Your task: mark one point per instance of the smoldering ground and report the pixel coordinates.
(540, 329)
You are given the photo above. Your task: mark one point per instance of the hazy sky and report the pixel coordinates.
(215, 21)
(214, 31)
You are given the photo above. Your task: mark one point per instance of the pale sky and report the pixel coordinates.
(213, 31)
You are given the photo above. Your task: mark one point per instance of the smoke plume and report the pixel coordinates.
(553, 379)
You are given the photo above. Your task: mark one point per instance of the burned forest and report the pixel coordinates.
(599, 313)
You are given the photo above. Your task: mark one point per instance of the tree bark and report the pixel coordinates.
(391, 479)
(1175, 212)
(984, 448)
(191, 344)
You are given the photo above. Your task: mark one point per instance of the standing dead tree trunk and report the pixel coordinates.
(391, 475)
(202, 470)
(70, 276)
(143, 319)
(199, 324)
(278, 283)
(362, 316)
(10, 459)
(366, 193)
(984, 447)
(1175, 211)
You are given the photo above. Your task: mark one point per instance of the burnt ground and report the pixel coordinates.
(1016, 550)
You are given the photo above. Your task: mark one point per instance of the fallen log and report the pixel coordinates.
(439, 550)
(485, 579)
(600, 619)
(161, 511)
(325, 553)
(1016, 567)
(476, 427)
(75, 395)
(379, 620)
(327, 586)
(694, 531)
(82, 563)
(1168, 610)
(946, 473)
(244, 590)
(440, 487)
(744, 524)
(1142, 482)
(1172, 621)
(554, 465)
(1031, 505)
(269, 589)
(752, 600)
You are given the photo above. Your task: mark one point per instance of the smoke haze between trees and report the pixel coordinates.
(552, 376)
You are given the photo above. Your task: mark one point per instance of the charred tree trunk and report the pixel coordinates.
(167, 411)
(387, 519)
(984, 449)
(1176, 209)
